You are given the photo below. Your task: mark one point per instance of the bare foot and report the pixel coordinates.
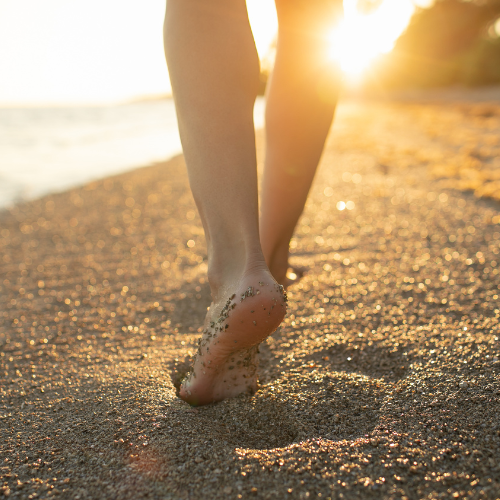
(226, 362)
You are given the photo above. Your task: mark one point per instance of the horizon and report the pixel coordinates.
(87, 104)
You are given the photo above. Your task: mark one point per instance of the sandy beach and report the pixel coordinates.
(382, 382)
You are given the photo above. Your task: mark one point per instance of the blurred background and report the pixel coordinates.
(84, 90)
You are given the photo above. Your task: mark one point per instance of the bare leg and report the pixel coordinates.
(214, 70)
(301, 101)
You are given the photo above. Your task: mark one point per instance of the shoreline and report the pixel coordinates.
(56, 149)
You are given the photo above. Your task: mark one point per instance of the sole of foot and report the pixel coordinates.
(226, 362)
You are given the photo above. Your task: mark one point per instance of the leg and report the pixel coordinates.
(301, 101)
(214, 70)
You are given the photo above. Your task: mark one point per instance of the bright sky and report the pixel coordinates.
(87, 51)
(57, 51)
(80, 50)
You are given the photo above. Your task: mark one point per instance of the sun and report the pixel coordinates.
(360, 38)
(357, 41)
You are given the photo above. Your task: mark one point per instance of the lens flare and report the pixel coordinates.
(362, 37)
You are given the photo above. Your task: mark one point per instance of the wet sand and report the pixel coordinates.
(383, 381)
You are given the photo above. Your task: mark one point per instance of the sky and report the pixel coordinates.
(89, 51)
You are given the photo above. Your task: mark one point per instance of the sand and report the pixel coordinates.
(383, 381)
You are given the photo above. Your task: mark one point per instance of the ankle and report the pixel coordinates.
(277, 261)
(225, 269)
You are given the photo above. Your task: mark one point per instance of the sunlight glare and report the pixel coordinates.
(264, 22)
(361, 38)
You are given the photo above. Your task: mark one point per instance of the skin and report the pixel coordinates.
(214, 71)
(301, 98)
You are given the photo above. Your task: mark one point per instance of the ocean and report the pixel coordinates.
(50, 149)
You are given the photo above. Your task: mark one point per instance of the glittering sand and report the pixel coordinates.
(383, 381)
